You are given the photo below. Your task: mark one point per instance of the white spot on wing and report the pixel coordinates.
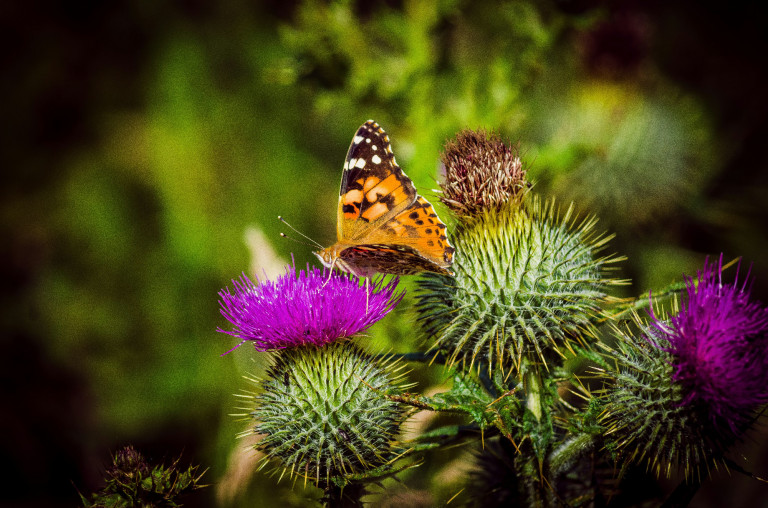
(360, 163)
(376, 159)
(357, 139)
(351, 162)
(367, 140)
(374, 147)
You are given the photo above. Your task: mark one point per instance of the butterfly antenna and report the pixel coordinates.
(297, 241)
(313, 244)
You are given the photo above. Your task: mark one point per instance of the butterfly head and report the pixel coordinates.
(327, 256)
(331, 257)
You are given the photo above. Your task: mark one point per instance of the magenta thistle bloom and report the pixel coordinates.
(718, 343)
(310, 308)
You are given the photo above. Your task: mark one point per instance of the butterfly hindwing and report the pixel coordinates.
(420, 227)
(394, 259)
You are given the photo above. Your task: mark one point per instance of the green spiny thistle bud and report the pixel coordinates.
(133, 481)
(645, 414)
(527, 283)
(325, 414)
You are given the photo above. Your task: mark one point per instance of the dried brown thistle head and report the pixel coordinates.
(481, 172)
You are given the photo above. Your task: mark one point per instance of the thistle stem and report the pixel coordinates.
(532, 387)
(531, 486)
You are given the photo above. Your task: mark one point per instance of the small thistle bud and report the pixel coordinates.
(312, 308)
(688, 388)
(132, 481)
(128, 463)
(481, 173)
(324, 412)
(527, 283)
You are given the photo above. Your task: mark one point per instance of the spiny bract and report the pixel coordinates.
(527, 283)
(645, 415)
(324, 411)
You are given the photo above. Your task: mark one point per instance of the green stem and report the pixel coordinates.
(532, 387)
(569, 452)
(528, 465)
(530, 484)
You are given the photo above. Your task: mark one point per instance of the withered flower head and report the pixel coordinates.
(481, 173)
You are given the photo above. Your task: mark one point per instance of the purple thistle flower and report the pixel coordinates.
(309, 309)
(719, 347)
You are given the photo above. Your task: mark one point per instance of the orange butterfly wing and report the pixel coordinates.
(373, 187)
(384, 226)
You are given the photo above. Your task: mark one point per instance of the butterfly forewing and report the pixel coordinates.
(373, 187)
(384, 226)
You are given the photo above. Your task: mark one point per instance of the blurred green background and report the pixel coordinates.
(147, 144)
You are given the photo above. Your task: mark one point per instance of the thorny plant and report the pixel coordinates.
(564, 388)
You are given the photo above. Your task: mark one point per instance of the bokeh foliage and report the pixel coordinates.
(149, 138)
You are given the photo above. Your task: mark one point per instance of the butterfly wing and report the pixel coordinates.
(419, 228)
(384, 226)
(368, 259)
(373, 187)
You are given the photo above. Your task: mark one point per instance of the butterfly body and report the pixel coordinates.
(384, 226)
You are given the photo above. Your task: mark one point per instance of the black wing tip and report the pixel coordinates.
(370, 126)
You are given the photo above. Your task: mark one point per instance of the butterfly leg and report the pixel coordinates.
(330, 272)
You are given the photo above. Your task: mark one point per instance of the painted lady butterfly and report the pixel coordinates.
(383, 225)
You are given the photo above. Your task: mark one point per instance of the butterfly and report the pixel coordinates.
(383, 225)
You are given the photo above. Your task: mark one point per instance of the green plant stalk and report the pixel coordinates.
(532, 387)
(569, 451)
(531, 488)
(528, 463)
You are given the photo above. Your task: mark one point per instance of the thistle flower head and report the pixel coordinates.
(683, 389)
(129, 463)
(644, 415)
(309, 308)
(481, 173)
(528, 284)
(324, 412)
(718, 344)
